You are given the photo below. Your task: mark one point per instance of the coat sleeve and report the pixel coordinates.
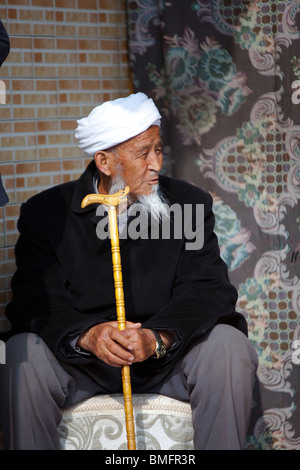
(41, 301)
(4, 44)
(202, 296)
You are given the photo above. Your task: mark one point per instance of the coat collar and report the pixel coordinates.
(83, 187)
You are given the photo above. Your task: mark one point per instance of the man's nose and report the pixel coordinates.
(155, 162)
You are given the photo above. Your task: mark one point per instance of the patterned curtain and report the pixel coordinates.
(225, 75)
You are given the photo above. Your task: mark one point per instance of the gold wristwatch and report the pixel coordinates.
(160, 348)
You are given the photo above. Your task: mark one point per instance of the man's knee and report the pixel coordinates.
(21, 347)
(231, 341)
(26, 352)
(224, 348)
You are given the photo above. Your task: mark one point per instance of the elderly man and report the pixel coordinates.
(183, 338)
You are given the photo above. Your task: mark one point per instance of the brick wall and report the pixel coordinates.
(66, 56)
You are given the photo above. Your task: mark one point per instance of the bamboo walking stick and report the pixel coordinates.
(112, 201)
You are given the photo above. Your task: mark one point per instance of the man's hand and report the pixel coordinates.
(118, 348)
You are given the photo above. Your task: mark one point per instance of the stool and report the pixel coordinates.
(161, 423)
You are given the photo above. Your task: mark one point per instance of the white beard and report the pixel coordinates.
(153, 204)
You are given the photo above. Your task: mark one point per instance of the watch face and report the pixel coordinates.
(161, 349)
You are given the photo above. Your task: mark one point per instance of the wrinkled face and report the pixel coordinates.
(139, 161)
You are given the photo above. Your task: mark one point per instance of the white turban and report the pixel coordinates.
(115, 121)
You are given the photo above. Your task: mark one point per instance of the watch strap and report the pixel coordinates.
(160, 349)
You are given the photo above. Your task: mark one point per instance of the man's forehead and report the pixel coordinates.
(146, 138)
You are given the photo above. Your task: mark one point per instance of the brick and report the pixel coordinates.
(23, 85)
(20, 43)
(66, 44)
(36, 98)
(43, 43)
(71, 152)
(20, 28)
(68, 84)
(65, 3)
(87, 4)
(6, 169)
(48, 152)
(65, 30)
(14, 141)
(88, 44)
(25, 154)
(49, 166)
(117, 18)
(20, 182)
(31, 15)
(12, 210)
(43, 29)
(18, 2)
(11, 238)
(90, 84)
(47, 126)
(46, 71)
(41, 140)
(7, 267)
(88, 30)
(109, 31)
(93, 18)
(102, 17)
(48, 112)
(33, 181)
(108, 4)
(42, 3)
(59, 139)
(72, 164)
(10, 225)
(68, 111)
(109, 44)
(67, 71)
(24, 126)
(5, 126)
(76, 17)
(89, 71)
(59, 16)
(23, 113)
(21, 71)
(46, 85)
(22, 168)
(16, 99)
(12, 13)
(68, 125)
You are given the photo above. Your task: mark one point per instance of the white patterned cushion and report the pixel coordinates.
(161, 423)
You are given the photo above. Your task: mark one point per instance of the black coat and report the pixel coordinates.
(64, 279)
(4, 44)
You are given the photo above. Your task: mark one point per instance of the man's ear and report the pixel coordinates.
(102, 160)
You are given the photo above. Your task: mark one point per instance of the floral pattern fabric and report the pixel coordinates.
(225, 75)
